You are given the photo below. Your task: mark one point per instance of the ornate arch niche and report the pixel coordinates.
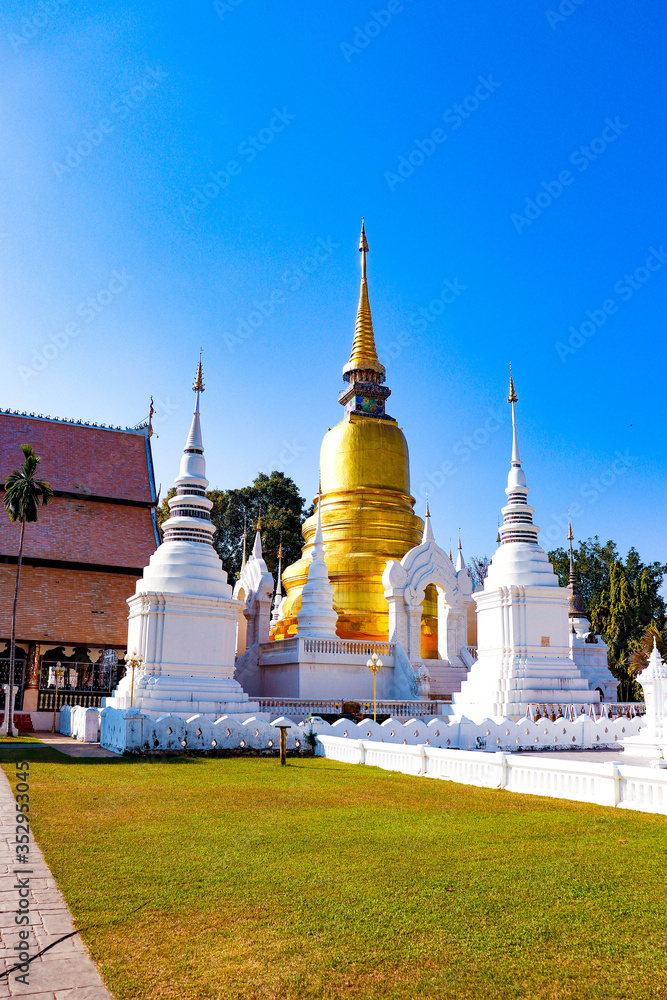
(255, 588)
(405, 586)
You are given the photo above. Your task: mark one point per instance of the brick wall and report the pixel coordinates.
(71, 606)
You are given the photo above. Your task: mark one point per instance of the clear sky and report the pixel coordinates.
(185, 174)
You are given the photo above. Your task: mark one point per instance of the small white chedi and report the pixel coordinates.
(651, 741)
(522, 619)
(183, 618)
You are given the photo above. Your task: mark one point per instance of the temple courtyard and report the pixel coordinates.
(201, 877)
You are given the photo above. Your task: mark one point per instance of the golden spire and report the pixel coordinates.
(199, 378)
(512, 398)
(570, 536)
(259, 520)
(459, 539)
(428, 512)
(280, 547)
(364, 354)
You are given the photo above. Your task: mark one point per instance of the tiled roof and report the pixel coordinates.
(84, 531)
(78, 458)
(70, 606)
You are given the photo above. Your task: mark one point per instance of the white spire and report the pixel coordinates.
(193, 465)
(428, 530)
(517, 523)
(316, 617)
(257, 545)
(189, 511)
(460, 561)
(655, 668)
(278, 599)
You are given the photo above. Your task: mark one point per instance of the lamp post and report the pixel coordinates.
(60, 673)
(375, 665)
(134, 661)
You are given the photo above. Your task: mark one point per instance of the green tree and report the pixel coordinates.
(622, 599)
(23, 493)
(283, 511)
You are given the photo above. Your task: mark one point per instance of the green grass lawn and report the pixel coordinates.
(236, 878)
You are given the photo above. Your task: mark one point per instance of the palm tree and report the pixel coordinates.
(22, 496)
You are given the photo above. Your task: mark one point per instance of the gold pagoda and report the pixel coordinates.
(366, 506)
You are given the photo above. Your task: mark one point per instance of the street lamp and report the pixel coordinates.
(375, 665)
(134, 661)
(60, 673)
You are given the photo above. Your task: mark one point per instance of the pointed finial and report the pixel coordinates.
(150, 418)
(459, 539)
(319, 484)
(199, 378)
(498, 535)
(428, 512)
(570, 536)
(512, 398)
(363, 242)
(280, 546)
(259, 520)
(450, 551)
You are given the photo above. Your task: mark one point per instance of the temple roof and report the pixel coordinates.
(79, 458)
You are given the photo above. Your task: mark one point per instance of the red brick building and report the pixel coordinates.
(83, 555)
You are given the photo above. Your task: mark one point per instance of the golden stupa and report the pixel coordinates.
(367, 510)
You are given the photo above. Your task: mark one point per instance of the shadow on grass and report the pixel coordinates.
(40, 752)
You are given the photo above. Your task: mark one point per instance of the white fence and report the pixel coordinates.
(127, 731)
(583, 732)
(81, 723)
(605, 783)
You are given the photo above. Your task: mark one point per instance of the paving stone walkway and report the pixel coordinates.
(73, 748)
(66, 971)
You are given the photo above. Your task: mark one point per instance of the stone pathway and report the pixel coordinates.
(73, 748)
(66, 972)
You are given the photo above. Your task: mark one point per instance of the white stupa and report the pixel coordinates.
(183, 617)
(316, 617)
(651, 740)
(522, 620)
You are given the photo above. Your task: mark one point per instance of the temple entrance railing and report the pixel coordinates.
(81, 684)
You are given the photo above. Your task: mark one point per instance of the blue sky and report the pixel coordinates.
(171, 172)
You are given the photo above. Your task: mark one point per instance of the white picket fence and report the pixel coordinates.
(605, 783)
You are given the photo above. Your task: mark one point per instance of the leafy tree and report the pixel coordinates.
(478, 567)
(23, 493)
(622, 599)
(283, 510)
